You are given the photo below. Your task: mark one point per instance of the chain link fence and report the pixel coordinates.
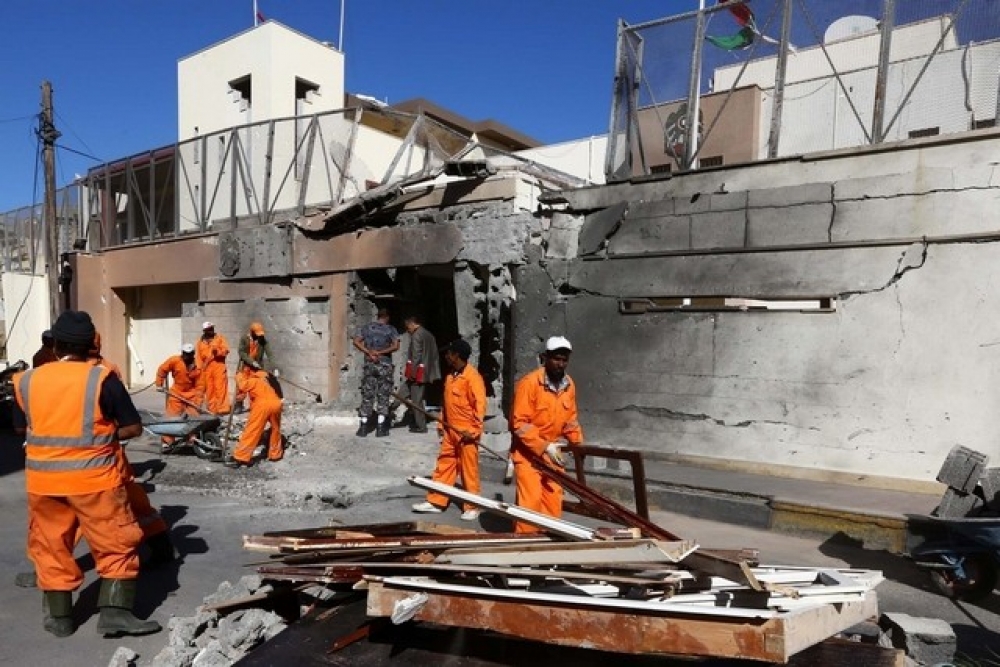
(742, 81)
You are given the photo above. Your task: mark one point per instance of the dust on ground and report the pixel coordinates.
(325, 464)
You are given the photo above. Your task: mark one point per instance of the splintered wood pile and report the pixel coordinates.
(633, 590)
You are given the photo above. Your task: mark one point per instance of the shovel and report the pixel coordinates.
(319, 399)
(433, 417)
(185, 401)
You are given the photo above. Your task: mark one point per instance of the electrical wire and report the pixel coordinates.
(80, 153)
(34, 250)
(69, 127)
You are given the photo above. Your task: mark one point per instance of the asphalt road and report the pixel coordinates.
(207, 530)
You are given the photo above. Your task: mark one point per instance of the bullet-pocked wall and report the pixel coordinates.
(837, 316)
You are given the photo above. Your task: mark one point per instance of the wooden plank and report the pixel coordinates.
(581, 553)
(333, 548)
(603, 629)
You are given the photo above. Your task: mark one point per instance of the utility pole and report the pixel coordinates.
(48, 134)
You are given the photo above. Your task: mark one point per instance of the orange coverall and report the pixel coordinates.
(185, 385)
(464, 411)
(541, 414)
(148, 516)
(265, 408)
(73, 477)
(211, 358)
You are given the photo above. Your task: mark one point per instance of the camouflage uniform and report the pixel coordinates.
(377, 378)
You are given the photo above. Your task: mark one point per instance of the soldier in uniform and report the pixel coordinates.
(376, 341)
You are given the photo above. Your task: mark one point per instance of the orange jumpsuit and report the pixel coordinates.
(73, 477)
(464, 411)
(541, 414)
(211, 358)
(148, 516)
(185, 385)
(254, 350)
(265, 408)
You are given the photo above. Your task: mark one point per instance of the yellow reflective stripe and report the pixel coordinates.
(56, 441)
(71, 464)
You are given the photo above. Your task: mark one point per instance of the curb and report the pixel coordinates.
(873, 531)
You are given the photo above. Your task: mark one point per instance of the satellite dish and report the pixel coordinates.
(847, 27)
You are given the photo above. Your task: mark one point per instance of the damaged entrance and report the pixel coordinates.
(464, 299)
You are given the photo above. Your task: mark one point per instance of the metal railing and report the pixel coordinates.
(743, 81)
(22, 231)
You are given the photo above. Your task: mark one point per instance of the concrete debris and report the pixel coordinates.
(211, 639)
(928, 641)
(123, 657)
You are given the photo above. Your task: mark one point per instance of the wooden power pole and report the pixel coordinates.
(48, 134)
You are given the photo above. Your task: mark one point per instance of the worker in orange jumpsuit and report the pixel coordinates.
(212, 351)
(155, 531)
(265, 409)
(46, 353)
(184, 394)
(252, 350)
(74, 416)
(544, 412)
(463, 413)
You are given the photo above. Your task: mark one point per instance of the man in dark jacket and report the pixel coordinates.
(423, 367)
(47, 352)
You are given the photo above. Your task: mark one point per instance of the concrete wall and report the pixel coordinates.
(26, 300)
(901, 371)
(154, 321)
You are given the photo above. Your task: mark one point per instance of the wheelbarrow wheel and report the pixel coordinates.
(208, 446)
(979, 581)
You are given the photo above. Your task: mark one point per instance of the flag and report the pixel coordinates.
(748, 30)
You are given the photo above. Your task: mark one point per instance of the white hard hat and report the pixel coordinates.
(207, 325)
(187, 348)
(557, 343)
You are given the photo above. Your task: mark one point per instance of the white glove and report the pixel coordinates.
(554, 450)
(276, 372)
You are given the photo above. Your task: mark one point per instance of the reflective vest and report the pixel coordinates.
(70, 447)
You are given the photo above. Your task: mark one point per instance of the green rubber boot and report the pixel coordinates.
(115, 601)
(57, 606)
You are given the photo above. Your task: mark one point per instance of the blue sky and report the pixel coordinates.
(543, 67)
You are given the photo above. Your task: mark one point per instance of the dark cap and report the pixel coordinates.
(74, 327)
(461, 348)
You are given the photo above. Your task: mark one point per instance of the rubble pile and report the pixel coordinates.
(214, 638)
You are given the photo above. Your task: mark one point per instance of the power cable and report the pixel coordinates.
(81, 153)
(69, 127)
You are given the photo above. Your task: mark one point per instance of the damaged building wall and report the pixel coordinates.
(884, 384)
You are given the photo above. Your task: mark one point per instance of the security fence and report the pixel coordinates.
(742, 81)
(22, 232)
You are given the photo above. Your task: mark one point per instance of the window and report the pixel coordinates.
(984, 123)
(714, 161)
(640, 306)
(305, 91)
(661, 169)
(926, 132)
(241, 90)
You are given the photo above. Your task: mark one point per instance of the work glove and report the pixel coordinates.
(276, 372)
(161, 389)
(554, 450)
(255, 365)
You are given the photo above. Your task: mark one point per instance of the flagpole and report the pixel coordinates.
(256, 22)
(694, 90)
(340, 40)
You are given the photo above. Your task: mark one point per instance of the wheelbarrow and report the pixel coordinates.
(962, 555)
(200, 434)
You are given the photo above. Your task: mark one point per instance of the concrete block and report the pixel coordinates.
(989, 482)
(719, 230)
(796, 195)
(956, 504)
(962, 468)
(728, 201)
(806, 224)
(926, 179)
(696, 203)
(928, 641)
(599, 226)
(652, 235)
